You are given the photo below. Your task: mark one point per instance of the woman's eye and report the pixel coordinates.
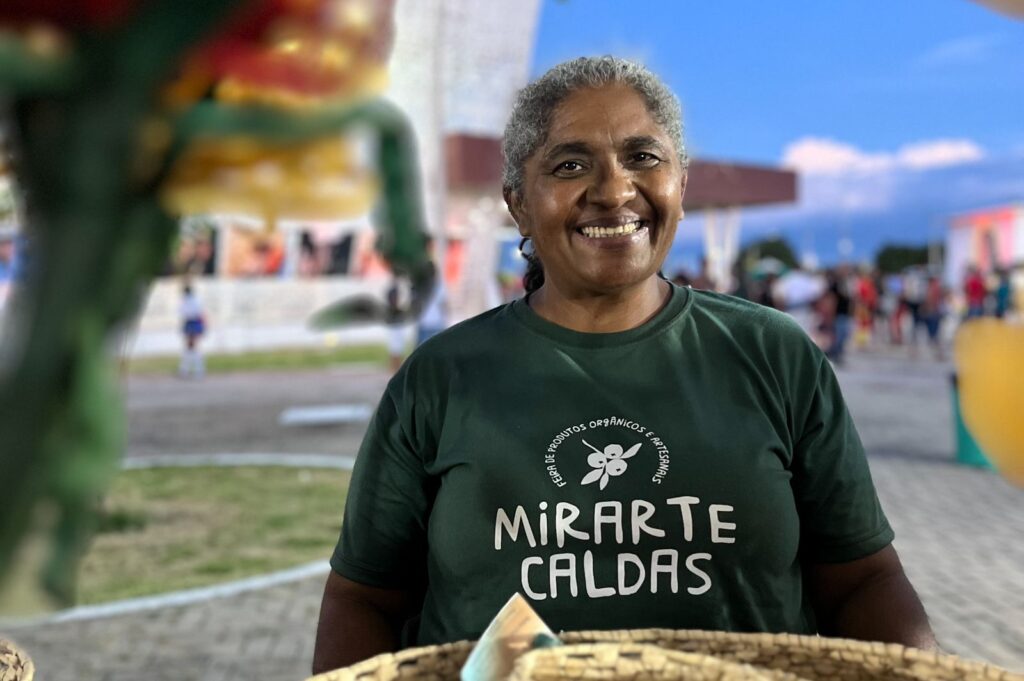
(568, 168)
(645, 158)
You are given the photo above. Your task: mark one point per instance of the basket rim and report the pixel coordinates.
(681, 660)
(900, 655)
(805, 643)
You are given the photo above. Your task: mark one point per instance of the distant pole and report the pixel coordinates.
(934, 251)
(730, 245)
(711, 243)
(441, 180)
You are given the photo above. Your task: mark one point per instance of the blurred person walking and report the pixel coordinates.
(865, 305)
(837, 292)
(914, 287)
(434, 318)
(193, 326)
(933, 309)
(975, 293)
(311, 261)
(893, 307)
(882, 309)
(703, 280)
(395, 327)
(1003, 295)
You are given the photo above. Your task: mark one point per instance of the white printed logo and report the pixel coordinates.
(609, 463)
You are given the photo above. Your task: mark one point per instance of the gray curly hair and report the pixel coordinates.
(535, 104)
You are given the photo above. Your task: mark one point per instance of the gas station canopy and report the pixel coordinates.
(726, 185)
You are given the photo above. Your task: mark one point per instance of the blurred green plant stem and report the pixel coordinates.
(98, 235)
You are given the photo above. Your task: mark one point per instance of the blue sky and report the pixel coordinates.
(895, 112)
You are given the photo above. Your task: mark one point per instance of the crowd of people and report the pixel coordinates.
(867, 308)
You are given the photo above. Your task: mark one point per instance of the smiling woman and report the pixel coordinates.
(508, 451)
(601, 198)
(596, 182)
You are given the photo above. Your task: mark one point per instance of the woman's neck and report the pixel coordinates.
(604, 313)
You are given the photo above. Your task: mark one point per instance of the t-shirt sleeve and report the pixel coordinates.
(840, 516)
(383, 533)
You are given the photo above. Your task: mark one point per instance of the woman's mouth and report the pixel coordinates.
(595, 232)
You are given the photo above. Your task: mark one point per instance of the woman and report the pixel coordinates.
(193, 326)
(933, 309)
(623, 452)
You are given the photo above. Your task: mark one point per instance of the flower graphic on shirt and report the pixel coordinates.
(607, 464)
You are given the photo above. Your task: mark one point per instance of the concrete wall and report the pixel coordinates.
(250, 314)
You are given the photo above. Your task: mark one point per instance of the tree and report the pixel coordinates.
(892, 258)
(777, 248)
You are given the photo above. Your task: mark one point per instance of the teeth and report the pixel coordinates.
(601, 232)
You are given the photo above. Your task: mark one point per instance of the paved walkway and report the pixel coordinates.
(960, 531)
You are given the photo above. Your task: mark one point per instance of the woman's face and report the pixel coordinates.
(602, 196)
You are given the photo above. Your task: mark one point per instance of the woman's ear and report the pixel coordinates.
(514, 203)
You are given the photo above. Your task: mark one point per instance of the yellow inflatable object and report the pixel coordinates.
(319, 180)
(990, 365)
(371, 82)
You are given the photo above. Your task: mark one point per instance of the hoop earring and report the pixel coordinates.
(522, 248)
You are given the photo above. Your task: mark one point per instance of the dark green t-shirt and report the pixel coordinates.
(673, 475)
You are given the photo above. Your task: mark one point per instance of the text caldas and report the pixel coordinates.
(571, 573)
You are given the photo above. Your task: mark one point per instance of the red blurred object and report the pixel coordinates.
(248, 50)
(70, 14)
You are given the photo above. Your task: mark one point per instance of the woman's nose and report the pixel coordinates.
(611, 188)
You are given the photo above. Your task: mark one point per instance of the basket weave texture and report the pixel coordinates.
(430, 663)
(635, 662)
(812, 657)
(15, 664)
(776, 656)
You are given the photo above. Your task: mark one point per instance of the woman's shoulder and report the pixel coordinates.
(470, 335)
(754, 329)
(453, 353)
(739, 313)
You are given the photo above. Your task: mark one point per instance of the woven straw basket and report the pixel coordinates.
(15, 665)
(635, 662)
(647, 653)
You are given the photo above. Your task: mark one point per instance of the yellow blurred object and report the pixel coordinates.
(361, 84)
(990, 365)
(318, 180)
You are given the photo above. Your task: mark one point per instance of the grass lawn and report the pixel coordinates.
(165, 529)
(268, 360)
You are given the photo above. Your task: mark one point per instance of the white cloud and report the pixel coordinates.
(939, 154)
(817, 155)
(971, 49)
(820, 156)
